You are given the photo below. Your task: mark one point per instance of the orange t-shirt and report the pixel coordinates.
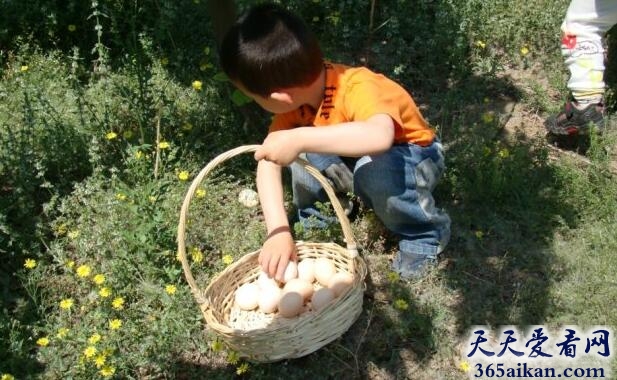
(356, 94)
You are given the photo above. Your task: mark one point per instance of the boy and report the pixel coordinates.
(333, 113)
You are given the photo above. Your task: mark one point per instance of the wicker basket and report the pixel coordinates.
(281, 338)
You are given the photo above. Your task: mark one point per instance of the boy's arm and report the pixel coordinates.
(279, 246)
(352, 139)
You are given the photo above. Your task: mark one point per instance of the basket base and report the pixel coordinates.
(273, 338)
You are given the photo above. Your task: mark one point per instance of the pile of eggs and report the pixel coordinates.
(310, 284)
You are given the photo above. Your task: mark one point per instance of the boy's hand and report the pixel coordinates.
(276, 252)
(280, 147)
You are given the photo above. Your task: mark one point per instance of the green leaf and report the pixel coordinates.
(220, 77)
(239, 98)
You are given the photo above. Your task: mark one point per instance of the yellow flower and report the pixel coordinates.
(24, 68)
(163, 145)
(197, 85)
(83, 271)
(62, 332)
(7, 376)
(479, 234)
(30, 263)
(107, 371)
(488, 117)
(115, 324)
(73, 234)
(393, 276)
(197, 255)
(66, 303)
(111, 135)
(401, 304)
(228, 259)
(504, 153)
(72, 28)
(216, 346)
(242, 368)
(94, 339)
(90, 351)
(98, 279)
(464, 366)
(524, 51)
(100, 360)
(118, 303)
(152, 198)
(105, 292)
(121, 197)
(70, 264)
(170, 289)
(200, 193)
(43, 341)
(481, 44)
(183, 175)
(60, 229)
(233, 357)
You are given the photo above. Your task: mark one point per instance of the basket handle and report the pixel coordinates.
(350, 242)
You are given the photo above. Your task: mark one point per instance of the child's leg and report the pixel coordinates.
(307, 190)
(398, 185)
(583, 30)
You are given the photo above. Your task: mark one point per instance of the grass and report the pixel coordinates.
(94, 166)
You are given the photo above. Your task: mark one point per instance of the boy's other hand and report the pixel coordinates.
(280, 147)
(276, 253)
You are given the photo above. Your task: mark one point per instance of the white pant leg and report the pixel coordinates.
(583, 31)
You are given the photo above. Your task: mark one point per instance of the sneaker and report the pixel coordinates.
(573, 121)
(413, 266)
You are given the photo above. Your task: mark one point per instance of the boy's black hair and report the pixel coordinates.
(270, 48)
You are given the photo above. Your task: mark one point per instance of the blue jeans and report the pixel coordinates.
(397, 185)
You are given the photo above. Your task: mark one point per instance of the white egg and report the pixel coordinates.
(248, 197)
(299, 286)
(269, 299)
(247, 296)
(306, 270)
(264, 281)
(324, 270)
(340, 282)
(290, 304)
(321, 298)
(291, 271)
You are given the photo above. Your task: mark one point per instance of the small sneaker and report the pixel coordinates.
(413, 266)
(575, 120)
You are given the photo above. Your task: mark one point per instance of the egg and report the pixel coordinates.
(290, 304)
(300, 286)
(248, 197)
(269, 298)
(339, 282)
(247, 296)
(324, 270)
(306, 270)
(321, 298)
(291, 271)
(264, 281)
